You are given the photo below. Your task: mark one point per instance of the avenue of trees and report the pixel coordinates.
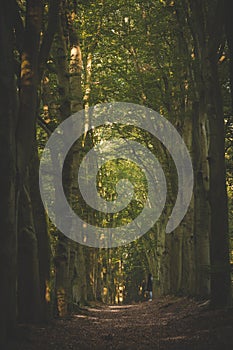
(61, 56)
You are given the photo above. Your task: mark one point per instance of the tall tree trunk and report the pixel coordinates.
(76, 96)
(28, 282)
(70, 258)
(219, 239)
(8, 112)
(195, 110)
(207, 45)
(18, 134)
(62, 254)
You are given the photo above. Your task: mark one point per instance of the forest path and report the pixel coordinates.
(165, 323)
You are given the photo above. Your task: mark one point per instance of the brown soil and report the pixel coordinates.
(167, 323)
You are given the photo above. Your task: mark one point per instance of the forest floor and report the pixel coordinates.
(165, 323)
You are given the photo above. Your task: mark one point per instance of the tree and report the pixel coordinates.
(20, 65)
(206, 28)
(8, 111)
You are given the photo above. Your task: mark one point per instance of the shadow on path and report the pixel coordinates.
(167, 323)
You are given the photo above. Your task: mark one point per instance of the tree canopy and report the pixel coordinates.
(61, 57)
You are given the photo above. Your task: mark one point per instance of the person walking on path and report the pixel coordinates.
(150, 285)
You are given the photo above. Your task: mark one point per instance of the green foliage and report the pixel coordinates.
(132, 51)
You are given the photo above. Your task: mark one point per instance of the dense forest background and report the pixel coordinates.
(59, 57)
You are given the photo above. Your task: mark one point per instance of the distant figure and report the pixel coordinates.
(150, 286)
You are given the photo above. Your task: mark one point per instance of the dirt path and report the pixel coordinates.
(168, 323)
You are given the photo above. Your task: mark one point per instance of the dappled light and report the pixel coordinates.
(116, 181)
(164, 324)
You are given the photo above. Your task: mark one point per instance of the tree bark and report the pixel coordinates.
(43, 243)
(26, 126)
(29, 301)
(219, 239)
(8, 231)
(207, 31)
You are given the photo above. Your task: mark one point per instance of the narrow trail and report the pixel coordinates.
(167, 323)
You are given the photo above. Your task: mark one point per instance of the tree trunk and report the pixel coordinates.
(207, 46)
(41, 230)
(201, 202)
(62, 254)
(61, 262)
(8, 112)
(29, 302)
(26, 126)
(205, 22)
(219, 239)
(228, 9)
